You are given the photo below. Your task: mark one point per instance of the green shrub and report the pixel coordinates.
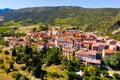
(23, 78)
(116, 76)
(72, 75)
(0, 50)
(6, 52)
(16, 75)
(2, 67)
(23, 67)
(54, 74)
(1, 61)
(7, 70)
(104, 73)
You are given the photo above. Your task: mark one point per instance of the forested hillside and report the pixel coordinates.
(99, 20)
(5, 10)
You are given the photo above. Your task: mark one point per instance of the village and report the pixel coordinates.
(85, 46)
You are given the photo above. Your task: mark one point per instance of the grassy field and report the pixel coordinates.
(6, 60)
(4, 29)
(23, 29)
(57, 69)
(5, 77)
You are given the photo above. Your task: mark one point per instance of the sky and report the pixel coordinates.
(17, 4)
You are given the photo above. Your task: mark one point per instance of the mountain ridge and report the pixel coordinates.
(87, 19)
(5, 10)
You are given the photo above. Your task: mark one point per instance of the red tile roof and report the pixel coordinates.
(86, 52)
(41, 42)
(108, 51)
(77, 34)
(50, 44)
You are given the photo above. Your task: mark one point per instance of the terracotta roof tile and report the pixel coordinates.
(50, 44)
(108, 51)
(41, 42)
(77, 34)
(86, 52)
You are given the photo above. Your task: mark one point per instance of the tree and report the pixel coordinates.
(25, 58)
(23, 78)
(53, 56)
(13, 52)
(11, 65)
(31, 40)
(93, 77)
(28, 49)
(16, 75)
(43, 28)
(37, 71)
(104, 73)
(1, 61)
(113, 61)
(44, 39)
(5, 43)
(6, 52)
(0, 50)
(70, 66)
(106, 60)
(18, 58)
(64, 61)
(116, 76)
(72, 75)
(93, 71)
(34, 29)
(7, 70)
(54, 74)
(86, 78)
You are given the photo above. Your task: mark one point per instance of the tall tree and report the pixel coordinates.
(13, 52)
(53, 56)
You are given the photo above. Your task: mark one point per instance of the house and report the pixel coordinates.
(100, 39)
(66, 34)
(22, 43)
(41, 45)
(87, 44)
(107, 52)
(54, 32)
(88, 57)
(50, 44)
(65, 42)
(13, 41)
(118, 45)
(103, 45)
(77, 34)
(78, 45)
(87, 35)
(78, 39)
(111, 41)
(113, 47)
(95, 46)
(68, 52)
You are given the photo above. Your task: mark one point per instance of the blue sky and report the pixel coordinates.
(16, 4)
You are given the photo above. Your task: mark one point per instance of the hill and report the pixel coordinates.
(5, 10)
(101, 20)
